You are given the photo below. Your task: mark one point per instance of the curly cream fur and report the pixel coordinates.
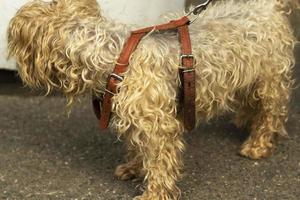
(244, 58)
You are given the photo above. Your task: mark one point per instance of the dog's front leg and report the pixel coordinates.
(146, 110)
(133, 166)
(161, 155)
(154, 138)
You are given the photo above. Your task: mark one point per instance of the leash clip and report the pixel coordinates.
(199, 8)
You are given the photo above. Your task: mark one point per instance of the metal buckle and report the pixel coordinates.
(183, 68)
(187, 70)
(182, 56)
(117, 77)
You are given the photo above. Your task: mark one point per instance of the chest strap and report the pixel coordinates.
(102, 108)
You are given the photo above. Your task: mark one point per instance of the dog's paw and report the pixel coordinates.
(255, 152)
(143, 197)
(139, 198)
(147, 196)
(126, 171)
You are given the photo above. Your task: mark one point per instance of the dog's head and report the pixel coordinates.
(37, 36)
(64, 44)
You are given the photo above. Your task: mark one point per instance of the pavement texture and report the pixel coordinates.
(44, 154)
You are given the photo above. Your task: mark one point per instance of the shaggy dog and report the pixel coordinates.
(244, 58)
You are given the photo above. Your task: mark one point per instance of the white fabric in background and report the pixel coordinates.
(8, 8)
(139, 12)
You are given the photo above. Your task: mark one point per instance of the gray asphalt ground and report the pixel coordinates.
(46, 155)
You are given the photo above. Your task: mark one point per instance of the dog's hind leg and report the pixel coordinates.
(271, 114)
(244, 116)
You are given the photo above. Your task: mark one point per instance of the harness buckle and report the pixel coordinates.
(117, 77)
(103, 92)
(188, 69)
(182, 56)
(183, 68)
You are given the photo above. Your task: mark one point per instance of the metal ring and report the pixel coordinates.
(187, 70)
(123, 64)
(186, 56)
(116, 76)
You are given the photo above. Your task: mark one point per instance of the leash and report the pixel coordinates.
(103, 105)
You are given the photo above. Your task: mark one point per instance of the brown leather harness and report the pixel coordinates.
(186, 71)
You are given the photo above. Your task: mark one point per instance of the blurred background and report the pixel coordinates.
(8, 8)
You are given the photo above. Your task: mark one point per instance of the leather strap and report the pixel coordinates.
(121, 67)
(187, 76)
(187, 72)
(96, 106)
(174, 24)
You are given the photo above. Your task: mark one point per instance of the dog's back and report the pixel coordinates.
(237, 44)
